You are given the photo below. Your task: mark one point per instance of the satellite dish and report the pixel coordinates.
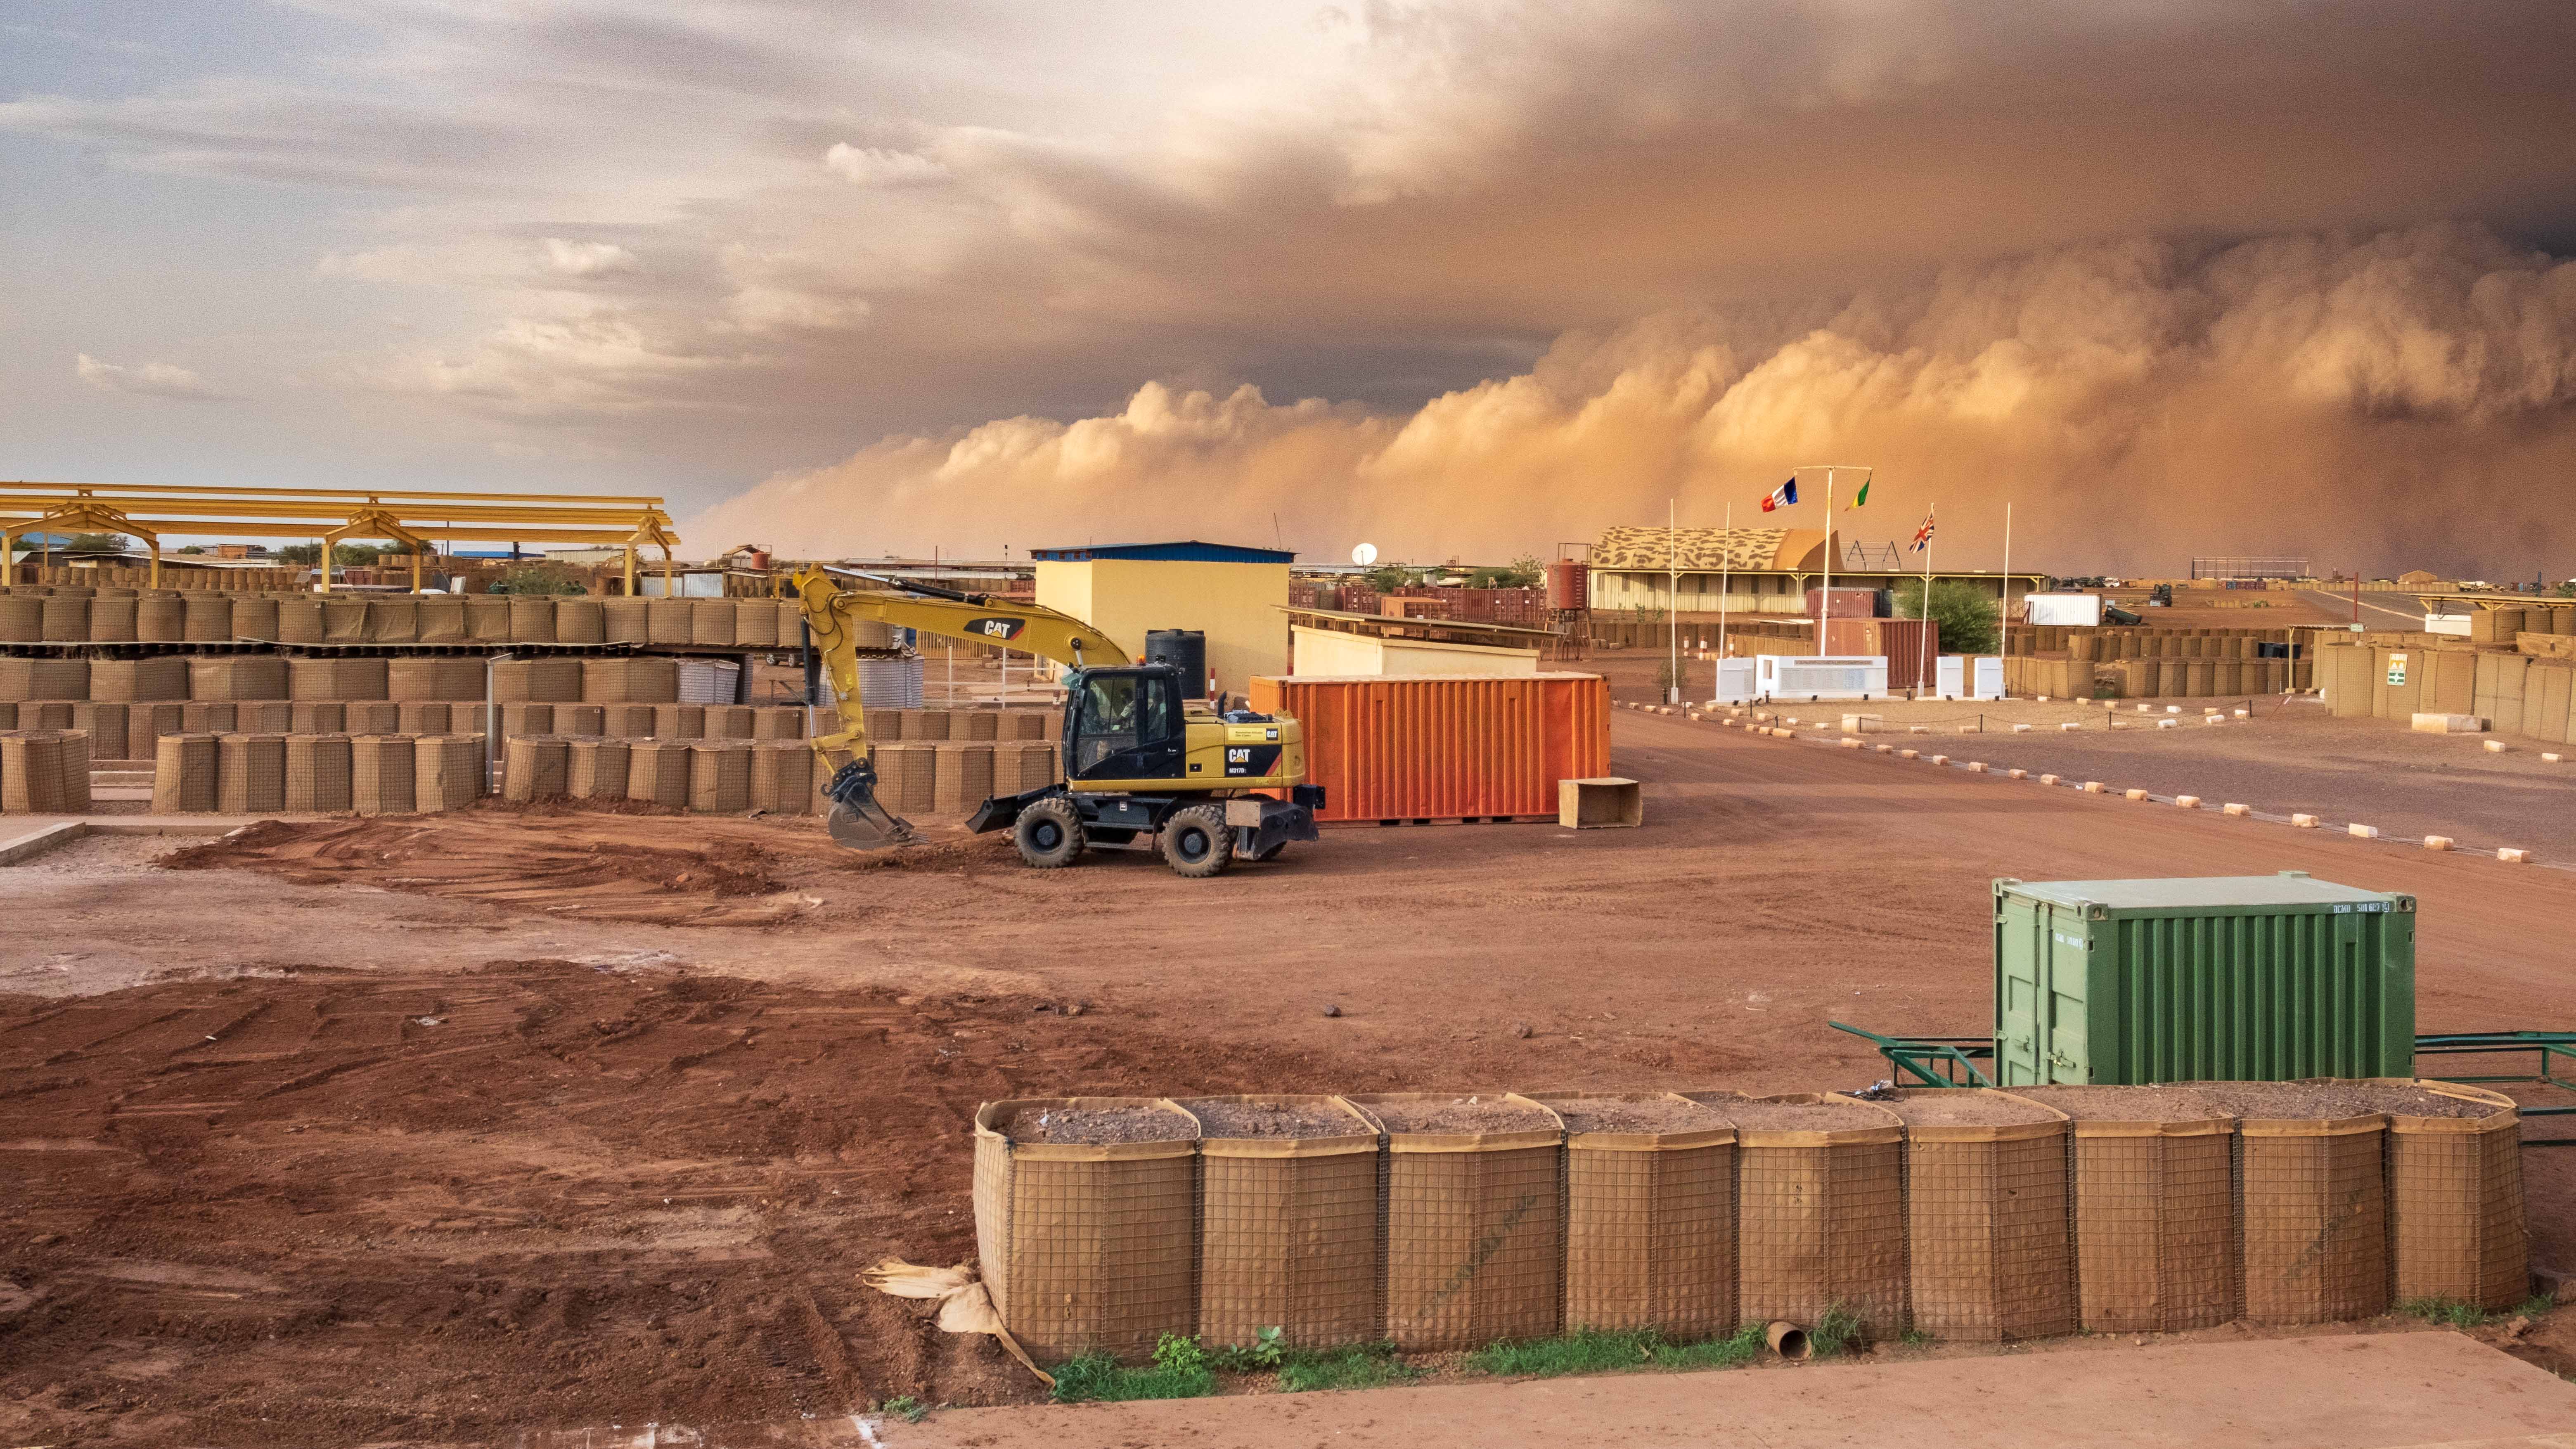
(1364, 555)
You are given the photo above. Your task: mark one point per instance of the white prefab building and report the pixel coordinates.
(1820, 676)
(1332, 652)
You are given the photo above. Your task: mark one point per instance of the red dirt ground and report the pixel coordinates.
(335, 1147)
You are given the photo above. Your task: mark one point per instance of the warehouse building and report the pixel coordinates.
(1232, 594)
(1754, 570)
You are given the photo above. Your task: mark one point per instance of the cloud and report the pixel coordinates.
(152, 379)
(2350, 397)
(589, 259)
(870, 166)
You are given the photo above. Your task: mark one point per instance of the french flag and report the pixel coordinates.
(1781, 497)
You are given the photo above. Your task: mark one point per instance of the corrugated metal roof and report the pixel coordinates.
(1185, 551)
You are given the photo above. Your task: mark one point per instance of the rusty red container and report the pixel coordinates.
(1849, 603)
(1444, 747)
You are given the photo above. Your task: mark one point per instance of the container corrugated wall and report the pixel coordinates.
(1444, 747)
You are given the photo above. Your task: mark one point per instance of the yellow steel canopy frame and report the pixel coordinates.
(407, 516)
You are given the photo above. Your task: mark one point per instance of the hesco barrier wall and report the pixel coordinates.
(1821, 1222)
(2458, 1228)
(1474, 1224)
(1087, 1247)
(1444, 747)
(44, 771)
(1649, 1225)
(2155, 1210)
(2312, 1215)
(1986, 1220)
(1288, 1229)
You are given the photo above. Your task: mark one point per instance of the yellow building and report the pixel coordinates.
(1233, 595)
(1335, 653)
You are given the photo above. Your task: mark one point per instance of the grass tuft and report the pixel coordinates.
(1836, 1333)
(2456, 1314)
(907, 1408)
(1359, 1366)
(1592, 1351)
(1180, 1371)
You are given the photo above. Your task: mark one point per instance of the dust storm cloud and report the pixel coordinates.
(2374, 398)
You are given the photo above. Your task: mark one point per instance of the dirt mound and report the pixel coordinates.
(338, 1208)
(710, 873)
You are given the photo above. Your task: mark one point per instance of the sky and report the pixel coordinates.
(2171, 277)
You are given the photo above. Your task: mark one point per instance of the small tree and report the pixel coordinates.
(94, 543)
(300, 553)
(1964, 612)
(355, 555)
(1387, 578)
(194, 548)
(544, 576)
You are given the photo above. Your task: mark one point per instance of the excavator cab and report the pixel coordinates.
(1125, 724)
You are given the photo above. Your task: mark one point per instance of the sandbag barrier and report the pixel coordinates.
(2105, 1209)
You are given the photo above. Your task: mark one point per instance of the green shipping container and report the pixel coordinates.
(2213, 978)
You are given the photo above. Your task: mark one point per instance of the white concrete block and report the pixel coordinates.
(2095, 787)
(2553, 759)
(2167, 724)
(2068, 725)
(1918, 729)
(2245, 714)
(2495, 747)
(2511, 856)
(2304, 822)
(2134, 794)
(2043, 699)
(2021, 729)
(2366, 832)
(1940, 759)
(2448, 724)
(2048, 779)
(2215, 719)
(2437, 842)
(1847, 742)
(2187, 802)
(2234, 809)
(2173, 709)
(1909, 754)
(1976, 767)
(2018, 774)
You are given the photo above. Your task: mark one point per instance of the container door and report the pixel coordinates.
(2021, 959)
(2065, 1036)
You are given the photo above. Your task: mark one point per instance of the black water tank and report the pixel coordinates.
(1184, 650)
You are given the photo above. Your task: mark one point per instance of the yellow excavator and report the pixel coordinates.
(1144, 766)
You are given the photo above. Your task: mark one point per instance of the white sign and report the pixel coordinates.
(2079, 610)
(1364, 555)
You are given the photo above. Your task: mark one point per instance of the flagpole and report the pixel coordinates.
(1673, 595)
(2006, 626)
(1725, 576)
(1923, 636)
(1825, 601)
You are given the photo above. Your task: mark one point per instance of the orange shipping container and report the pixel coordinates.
(1444, 747)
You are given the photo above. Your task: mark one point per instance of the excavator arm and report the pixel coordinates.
(832, 612)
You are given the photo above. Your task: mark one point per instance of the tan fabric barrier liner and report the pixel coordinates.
(2458, 1221)
(2312, 1209)
(1474, 1232)
(1087, 1247)
(1288, 1230)
(1986, 1226)
(1820, 1221)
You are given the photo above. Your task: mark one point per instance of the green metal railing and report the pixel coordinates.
(1961, 1061)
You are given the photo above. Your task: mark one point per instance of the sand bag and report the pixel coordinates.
(657, 771)
(251, 773)
(380, 775)
(2312, 1201)
(1088, 1244)
(318, 770)
(595, 769)
(1986, 1214)
(186, 774)
(1820, 1210)
(447, 771)
(2155, 1209)
(1474, 1218)
(2458, 1227)
(1288, 1225)
(782, 778)
(535, 767)
(1649, 1213)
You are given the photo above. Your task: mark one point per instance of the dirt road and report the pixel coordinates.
(357, 1134)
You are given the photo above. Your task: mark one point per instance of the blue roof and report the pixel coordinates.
(1187, 551)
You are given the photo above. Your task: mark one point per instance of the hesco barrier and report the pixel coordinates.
(535, 767)
(138, 680)
(319, 717)
(2155, 1209)
(1288, 1229)
(596, 769)
(1444, 747)
(448, 771)
(1986, 1220)
(719, 777)
(1649, 1225)
(251, 773)
(487, 619)
(680, 721)
(962, 778)
(185, 774)
(2312, 1214)
(657, 771)
(1820, 1220)
(44, 772)
(1087, 1247)
(551, 680)
(907, 777)
(2458, 1229)
(782, 777)
(319, 774)
(380, 775)
(1474, 1232)
(370, 716)
(25, 679)
(1023, 765)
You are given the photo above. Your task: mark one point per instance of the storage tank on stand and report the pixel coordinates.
(1186, 651)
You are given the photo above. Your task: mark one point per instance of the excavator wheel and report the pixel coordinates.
(1197, 842)
(1049, 834)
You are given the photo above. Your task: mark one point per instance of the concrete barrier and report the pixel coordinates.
(2448, 724)
(2495, 747)
(2018, 774)
(2048, 779)
(2511, 856)
(2365, 832)
(2437, 842)
(2135, 794)
(2304, 822)
(2187, 802)
(2234, 809)
(2095, 787)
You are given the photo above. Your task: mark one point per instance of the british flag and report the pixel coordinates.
(1923, 535)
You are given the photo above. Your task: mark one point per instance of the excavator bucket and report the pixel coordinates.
(856, 819)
